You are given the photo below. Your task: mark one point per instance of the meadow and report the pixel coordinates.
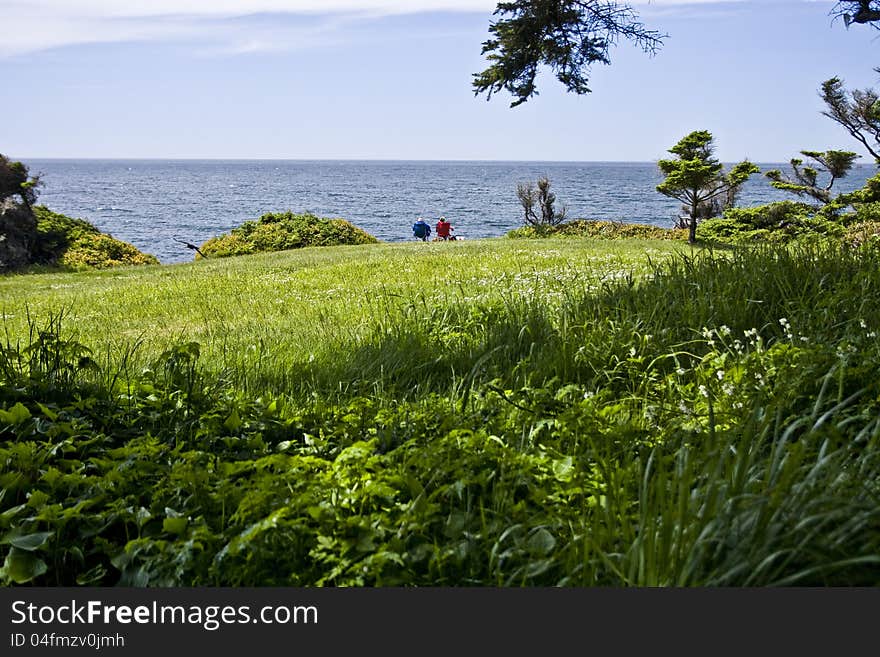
(495, 412)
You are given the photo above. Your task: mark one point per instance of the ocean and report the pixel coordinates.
(153, 203)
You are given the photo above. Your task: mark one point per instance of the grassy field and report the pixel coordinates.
(265, 316)
(492, 413)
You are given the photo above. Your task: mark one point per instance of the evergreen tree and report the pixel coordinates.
(566, 35)
(696, 178)
(805, 181)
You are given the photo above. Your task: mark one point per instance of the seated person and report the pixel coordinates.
(444, 229)
(421, 229)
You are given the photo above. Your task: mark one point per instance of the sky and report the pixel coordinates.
(391, 79)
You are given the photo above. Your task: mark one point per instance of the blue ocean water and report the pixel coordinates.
(150, 203)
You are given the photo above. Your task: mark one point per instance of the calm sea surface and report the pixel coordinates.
(151, 202)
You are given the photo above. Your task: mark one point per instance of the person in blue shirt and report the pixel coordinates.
(421, 229)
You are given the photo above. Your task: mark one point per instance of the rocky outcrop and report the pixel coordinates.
(18, 234)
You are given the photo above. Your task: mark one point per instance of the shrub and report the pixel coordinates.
(101, 251)
(771, 216)
(600, 230)
(280, 232)
(866, 212)
(778, 222)
(78, 244)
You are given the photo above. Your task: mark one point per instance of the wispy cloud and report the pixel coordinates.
(34, 25)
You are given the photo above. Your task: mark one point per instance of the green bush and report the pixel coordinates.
(778, 222)
(101, 251)
(869, 212)
(771, 216)
(599, 230)
(280, 232)
(77, 244)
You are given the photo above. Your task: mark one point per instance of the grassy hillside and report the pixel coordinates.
(493, 412)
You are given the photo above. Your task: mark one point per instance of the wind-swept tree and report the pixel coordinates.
(696, 178)
(858, 111)
(531, 196)
(15, 180)
(566, 35)
(805, 179)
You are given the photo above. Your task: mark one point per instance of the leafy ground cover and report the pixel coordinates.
(562, 412)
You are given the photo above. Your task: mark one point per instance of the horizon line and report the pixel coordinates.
(359, 159)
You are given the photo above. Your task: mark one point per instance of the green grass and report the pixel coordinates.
(266, 315)
(489, 413)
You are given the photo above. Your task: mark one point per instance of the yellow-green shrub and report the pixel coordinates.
(77, 244)
(101, 250)
(283, 231)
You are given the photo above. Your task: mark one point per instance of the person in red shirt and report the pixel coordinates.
(444, 229)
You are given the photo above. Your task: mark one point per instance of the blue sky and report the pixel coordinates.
(391, 79)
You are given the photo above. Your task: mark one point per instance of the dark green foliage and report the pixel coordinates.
(282, 231)
(15, 180)
(695, 177)
(712, 425)
(863, 12)
(567, 36)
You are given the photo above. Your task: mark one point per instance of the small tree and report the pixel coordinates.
(858, 111)
(697, 179)
(15, 180)
(805, 181)
(531, 196)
